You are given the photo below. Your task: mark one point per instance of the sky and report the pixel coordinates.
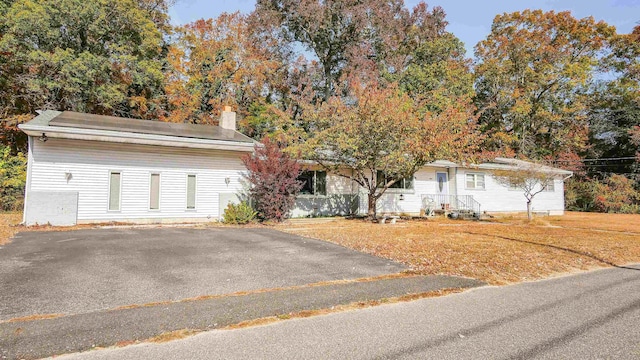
(469, 20)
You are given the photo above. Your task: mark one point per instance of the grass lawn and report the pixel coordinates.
(7, 225)
(501, 251)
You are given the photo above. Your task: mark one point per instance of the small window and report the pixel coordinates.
(191, 192)
(404, 183)
(313, 182)
(114, 190)
(154, 192)
(475, 181)
(550, 186)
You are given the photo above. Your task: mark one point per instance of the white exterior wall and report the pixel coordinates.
(494, 198)
(90, 163)
(424, 182)
(498, 198)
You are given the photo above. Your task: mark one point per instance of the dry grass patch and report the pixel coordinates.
(171, 336)
(595, 221)
(33, 318)
(8, 226)
(500, 252)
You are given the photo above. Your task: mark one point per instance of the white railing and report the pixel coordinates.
(450, 203)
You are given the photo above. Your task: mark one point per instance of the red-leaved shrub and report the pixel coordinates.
(273, 175)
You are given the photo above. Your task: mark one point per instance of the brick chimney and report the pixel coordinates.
(228, 119)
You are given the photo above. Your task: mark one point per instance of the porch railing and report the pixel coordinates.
(451, 203)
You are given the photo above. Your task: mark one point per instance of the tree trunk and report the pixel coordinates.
(372, 207)
(529, 211)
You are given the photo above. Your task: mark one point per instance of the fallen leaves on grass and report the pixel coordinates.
(8, 226)
(501, 252)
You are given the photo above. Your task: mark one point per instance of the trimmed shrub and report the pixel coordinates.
(273, 177)
(238, 214)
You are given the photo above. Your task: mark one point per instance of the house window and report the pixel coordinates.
(154, 192)
(404, 183)
(191, 192)
(550, 186)
(475, 181)
(114, 190)
(313, 182)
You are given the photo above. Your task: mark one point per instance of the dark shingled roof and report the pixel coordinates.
(111, 123)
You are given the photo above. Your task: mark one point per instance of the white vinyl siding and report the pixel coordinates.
(475, 181)
(115, 181)
(90, 163)
(154, 192)
(191, 192)
(497, 197)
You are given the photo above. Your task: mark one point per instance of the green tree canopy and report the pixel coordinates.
(96, 56)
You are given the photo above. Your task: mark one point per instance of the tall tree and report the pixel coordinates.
(438, 74)
(215, 62)
(615, 107)
(533, 70)
(380, 129)
(98, 56)
(352, 38)
(329, 29)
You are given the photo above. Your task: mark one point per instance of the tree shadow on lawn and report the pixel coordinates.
(577, 252)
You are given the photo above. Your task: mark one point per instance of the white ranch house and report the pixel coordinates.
(87, 169)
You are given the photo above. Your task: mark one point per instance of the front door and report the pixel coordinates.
(442, 189)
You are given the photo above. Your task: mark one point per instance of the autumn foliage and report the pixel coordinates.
(272, 175)
(216, 62)
(383, 129)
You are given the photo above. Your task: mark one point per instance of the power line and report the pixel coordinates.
(601, 159)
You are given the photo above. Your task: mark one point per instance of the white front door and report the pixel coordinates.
(442, 184)
(442, 189)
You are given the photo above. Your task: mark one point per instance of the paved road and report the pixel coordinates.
(76, 333)
(594, 315)
(74, 272)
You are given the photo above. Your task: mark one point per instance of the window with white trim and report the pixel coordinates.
(115, 180)
(154, 192)
(474, 181)
(550, 186)
(191, 192)
(313, 182)
(404, 183)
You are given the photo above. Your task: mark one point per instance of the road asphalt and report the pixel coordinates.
(594, 315)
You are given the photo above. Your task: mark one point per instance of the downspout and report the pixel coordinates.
(27, 187)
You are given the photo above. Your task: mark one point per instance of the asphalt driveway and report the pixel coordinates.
(73, 272)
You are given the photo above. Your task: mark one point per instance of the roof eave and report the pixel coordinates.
(135, 138)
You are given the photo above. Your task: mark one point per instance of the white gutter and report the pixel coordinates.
(134, 138)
